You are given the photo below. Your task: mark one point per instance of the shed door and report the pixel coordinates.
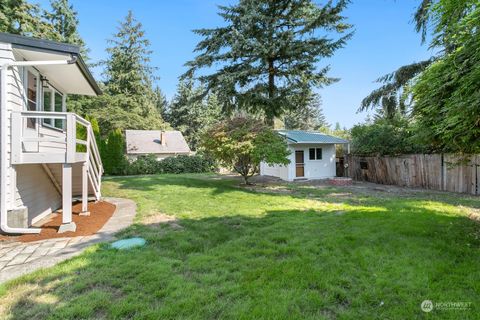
(299, 164)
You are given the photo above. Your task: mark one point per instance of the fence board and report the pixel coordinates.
(429, 171)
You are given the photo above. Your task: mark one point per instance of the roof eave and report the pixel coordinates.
(28, 43)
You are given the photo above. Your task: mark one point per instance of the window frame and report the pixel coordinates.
(38, 94)
(53, 93)
(315, 153)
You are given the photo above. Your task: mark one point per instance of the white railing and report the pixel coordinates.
(93, 160)
(54, 145)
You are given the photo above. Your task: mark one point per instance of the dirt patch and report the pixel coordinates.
(161, 218)
(100, 213)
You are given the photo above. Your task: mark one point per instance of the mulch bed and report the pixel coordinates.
(100, 213)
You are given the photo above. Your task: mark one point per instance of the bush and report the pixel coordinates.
(385, 137)
(113, 154)
(242, 143)
(179, 164)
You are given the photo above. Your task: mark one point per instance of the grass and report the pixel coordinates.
(284, 252)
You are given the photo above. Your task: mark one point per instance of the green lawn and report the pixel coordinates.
(290, 252)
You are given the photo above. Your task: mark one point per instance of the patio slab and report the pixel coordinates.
(18, 258)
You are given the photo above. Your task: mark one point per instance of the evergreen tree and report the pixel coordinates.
(161, 102)
(129, 101)
(308, 116)
(191, 116)
(113, 156)
(64, 20)
(269, 53)
(24, 18)
(128, 69)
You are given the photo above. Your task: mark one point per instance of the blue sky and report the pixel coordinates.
(384, 40)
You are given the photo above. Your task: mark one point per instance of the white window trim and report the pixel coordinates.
(316, 159)
(38, 102)
(54, 90)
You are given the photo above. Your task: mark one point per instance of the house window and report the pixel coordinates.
(58, 107)
(52, 102)
(47, 105)
(32, 88)
(315, 153)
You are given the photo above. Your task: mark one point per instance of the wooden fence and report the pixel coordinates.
(445, 172)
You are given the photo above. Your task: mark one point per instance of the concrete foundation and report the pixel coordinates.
(18, 218)
(67, 227)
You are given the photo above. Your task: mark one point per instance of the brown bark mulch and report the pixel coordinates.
(100, 213)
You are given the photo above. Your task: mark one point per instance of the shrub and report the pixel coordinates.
(113, 154)
(385, 137)
(148, 164)
(242, 143)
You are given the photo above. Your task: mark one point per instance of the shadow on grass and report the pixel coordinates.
(221, 185)
(284, 264)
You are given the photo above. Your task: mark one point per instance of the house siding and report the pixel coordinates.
(36, 192)
(314, 169)
(27, 185)
(13, 101)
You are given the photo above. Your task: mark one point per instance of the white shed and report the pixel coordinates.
(312, 156)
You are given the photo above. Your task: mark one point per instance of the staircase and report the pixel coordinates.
(92, 163)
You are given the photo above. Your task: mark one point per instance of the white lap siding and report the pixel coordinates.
(27, 185)
(317, 169)
(36, 192)
(14, 102)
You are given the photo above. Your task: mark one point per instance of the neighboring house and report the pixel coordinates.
(312, 156)
(162, 144)
(41, 168)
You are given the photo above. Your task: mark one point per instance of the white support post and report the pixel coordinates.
(16, 132)
(85, 211)
(71, 138)
(67, 222)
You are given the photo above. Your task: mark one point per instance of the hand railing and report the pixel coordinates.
(63, 139)
(94, 162)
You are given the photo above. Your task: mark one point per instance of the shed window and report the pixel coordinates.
(364, 165)
(315, 153)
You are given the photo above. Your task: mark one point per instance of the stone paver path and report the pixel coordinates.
(18, 258)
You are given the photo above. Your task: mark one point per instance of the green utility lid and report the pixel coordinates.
(129, 243)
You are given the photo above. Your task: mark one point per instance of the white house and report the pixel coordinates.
(42, 164)
(161, 144)
(312, 156)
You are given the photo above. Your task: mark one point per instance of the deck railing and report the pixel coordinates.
(47, 144)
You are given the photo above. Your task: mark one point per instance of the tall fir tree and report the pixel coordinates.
(64, 20)
(268, 53)
(128, 70)
(24, 18)
(130, 101)
(309, 116)
(161, 102)
(191, 116)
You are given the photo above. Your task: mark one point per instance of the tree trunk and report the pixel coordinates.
(271, 92)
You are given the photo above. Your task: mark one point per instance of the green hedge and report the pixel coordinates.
(178, 164)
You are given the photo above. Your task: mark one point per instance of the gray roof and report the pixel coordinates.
(24, 42)
(150, 142)
(298, 136)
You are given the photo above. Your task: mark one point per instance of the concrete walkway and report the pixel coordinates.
(19, 258)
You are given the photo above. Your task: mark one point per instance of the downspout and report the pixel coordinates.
(3, 139)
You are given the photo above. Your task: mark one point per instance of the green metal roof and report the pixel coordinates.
(297, 136)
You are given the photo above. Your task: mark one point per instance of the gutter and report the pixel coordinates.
(3, 138)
